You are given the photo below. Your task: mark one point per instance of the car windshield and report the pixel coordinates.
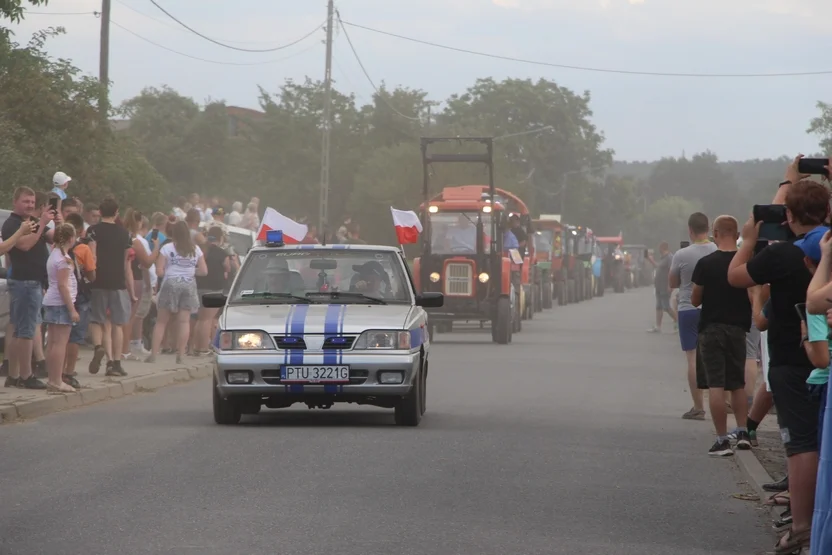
(456, 232)
(543, 240)
(297, 276)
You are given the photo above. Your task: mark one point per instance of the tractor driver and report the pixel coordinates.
(519, 233)
(462, 236)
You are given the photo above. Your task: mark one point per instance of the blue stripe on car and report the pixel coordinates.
(331, 332)
(296, 329)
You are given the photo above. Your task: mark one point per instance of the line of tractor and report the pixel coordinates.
(468, 254)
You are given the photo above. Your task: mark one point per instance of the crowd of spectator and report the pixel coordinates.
(116, 279)
(744, 299)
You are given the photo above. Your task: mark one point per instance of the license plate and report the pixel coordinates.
(315, 374)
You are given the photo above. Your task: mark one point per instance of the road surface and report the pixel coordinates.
(567, 441)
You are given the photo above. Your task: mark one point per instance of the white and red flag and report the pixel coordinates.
(408, 226)
(293, 232)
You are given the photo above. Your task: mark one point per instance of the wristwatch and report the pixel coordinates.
(786, 182)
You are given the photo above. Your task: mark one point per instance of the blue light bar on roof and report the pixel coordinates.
(274, 236)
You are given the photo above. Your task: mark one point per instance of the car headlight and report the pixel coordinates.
(383, 339)
(434, 277)
(483, 277)
(245, 341)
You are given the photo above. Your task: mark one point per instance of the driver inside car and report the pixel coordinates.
(281, 280)
(369, 279)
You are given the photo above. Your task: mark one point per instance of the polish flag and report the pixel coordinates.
(408, 226)
(293, 232)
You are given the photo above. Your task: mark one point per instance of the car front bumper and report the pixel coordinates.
(364, 375)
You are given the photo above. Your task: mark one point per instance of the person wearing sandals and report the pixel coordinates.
(59, 307)
(218, 263)
(178, 265)
(782, 266)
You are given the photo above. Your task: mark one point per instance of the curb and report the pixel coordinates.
(757, 475)
(40, 407)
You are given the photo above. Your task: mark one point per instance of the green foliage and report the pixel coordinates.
(14, 9)
(822, 126)
(665, 220)
(49, 121)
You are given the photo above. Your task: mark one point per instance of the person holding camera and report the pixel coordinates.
(781, 265)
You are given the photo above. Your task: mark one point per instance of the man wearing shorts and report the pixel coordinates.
(662, 285)
(723, 325)
(681, 271)
(109, 292)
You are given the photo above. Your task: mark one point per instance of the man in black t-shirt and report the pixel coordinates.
(110, 296)
(723, 323)
(781, 265)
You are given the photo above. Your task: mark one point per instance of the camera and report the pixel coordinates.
(774, 226)
(813, 166)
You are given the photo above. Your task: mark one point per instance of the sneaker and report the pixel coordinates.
(654, 329)
(752, 436)
(694, 414)
(114, 370)
(130, 356)
(743, 441)
(71, 381)
(732, 435)
(39, 369)
(721, 449)
(95, 363)
(30, 383)
(11, 382)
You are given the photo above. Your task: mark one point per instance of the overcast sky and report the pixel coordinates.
(643, 117)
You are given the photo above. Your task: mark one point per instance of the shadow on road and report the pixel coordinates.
(320, 418)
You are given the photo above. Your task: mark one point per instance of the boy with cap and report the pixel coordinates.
(60, 181)
(816, 247)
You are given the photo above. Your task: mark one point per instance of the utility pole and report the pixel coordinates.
(104, 63)
(323, 213)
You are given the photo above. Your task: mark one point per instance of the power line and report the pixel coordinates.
(224, 45)
(367, 75)
(61, 13)
(163, 47)
(581, 68)
(180, 29)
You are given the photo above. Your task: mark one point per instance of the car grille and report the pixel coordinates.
(458, 280)
(290, 342)
(341, 343)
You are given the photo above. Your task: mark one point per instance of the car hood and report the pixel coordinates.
(315, 318)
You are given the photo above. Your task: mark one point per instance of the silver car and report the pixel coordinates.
(321, 325)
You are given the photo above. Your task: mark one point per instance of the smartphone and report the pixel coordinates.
(813, 166)
(773, 218)
(154, 234)
(684, 244)
(801, 310)
(53, 204)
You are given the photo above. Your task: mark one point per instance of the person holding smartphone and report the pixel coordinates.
(782, 266)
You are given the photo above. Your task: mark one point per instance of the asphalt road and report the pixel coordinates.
(567, 441)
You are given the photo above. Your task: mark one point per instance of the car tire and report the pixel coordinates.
(408, 411)
(425, 388)
(226, 411)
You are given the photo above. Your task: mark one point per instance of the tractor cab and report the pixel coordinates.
(464, 255)
(549, 248)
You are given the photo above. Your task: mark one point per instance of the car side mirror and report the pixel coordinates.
(430, 300)
(214, 300)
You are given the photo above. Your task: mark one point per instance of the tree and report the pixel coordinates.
(14, 9)
(49, 121)
(665, 220)
(822, 126)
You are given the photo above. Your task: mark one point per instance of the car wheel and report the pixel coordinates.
(425, 388)
(408, 411)
(226, 411)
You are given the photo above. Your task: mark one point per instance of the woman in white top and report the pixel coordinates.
(177, 266)
(59, 307)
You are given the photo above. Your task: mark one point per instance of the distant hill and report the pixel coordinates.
(747, 172)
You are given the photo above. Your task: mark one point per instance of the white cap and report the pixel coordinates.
(60, 179)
